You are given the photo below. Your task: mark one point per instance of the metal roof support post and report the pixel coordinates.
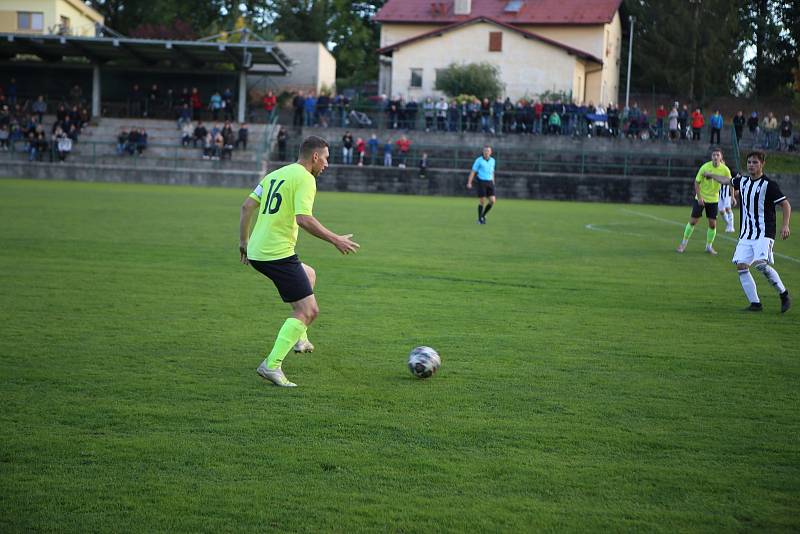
(95, 91)
(242, 94)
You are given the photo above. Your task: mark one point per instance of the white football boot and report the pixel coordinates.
(275, 376)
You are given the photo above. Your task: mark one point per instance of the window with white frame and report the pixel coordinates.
(31, 21)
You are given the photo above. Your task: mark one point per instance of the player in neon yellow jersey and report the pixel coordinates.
(284, 200)
(706, 198)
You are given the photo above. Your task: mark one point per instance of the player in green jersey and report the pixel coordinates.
(284, 200)
(706, 198)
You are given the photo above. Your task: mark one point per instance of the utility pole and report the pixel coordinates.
(632, 20)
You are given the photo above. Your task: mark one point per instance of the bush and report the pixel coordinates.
(479, 79)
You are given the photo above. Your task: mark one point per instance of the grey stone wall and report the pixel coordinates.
(392, 180)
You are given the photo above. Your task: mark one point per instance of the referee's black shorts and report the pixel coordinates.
(485, 188)
(711, 209)
(288, 276)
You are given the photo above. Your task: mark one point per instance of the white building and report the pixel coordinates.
(569, 46)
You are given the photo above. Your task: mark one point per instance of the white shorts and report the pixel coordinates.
(724, 202)
(750, 250)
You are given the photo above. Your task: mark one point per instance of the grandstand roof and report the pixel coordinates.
(147, 52)
(569, 12)
(526, 34)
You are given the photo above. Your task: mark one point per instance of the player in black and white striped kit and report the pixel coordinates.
(758, 197)
(727, 200)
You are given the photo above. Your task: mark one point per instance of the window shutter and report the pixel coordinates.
(495, 41)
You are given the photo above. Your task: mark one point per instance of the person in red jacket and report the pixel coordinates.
(661, 115)
(197, 104)
(697, 124)
(269, 101)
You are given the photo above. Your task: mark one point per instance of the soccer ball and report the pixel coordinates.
(423, 362)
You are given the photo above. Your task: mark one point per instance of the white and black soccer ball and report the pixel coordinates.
(423, 362)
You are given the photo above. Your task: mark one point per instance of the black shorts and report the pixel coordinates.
(288, 276)
(485, 188)
(711, 208)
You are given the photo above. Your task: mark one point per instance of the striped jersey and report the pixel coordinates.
(757, 206)
(724, 191)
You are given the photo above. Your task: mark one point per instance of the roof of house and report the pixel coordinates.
(526, 34)
(570, 12)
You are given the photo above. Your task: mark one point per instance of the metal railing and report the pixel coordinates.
(525, 160)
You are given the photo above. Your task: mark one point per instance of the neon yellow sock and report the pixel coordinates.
(710, 235)
(687, 232)
(304, 337)
(288, 335)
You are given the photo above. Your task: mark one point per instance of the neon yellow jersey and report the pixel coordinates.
(282, 194)
(709, 188)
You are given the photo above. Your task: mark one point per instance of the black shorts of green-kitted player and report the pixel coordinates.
(711, 209)
(288, 276)
(485, 188)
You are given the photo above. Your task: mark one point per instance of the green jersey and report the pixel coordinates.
(709, 188)
(282, 194)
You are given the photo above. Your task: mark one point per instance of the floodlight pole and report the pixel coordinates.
(632, 20)
(96, 91)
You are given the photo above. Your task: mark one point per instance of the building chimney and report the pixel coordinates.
(463, 7)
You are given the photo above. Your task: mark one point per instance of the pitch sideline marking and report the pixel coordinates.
(675, 223)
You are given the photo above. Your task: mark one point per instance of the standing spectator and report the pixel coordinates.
(133, 141)
(673, 122)
(554, 123)
(39, 107)
(373, 149)
(323, 109)
(186, 97)
(347, 148)
(11, 92)
(197, 103)
(716, 126)
(423, 165)
(613, 119)
(387, 153)
(412, 107)
(208, 146)
(538, 113)
(486, 115)
(153, 101)
(683, 121)
(135, 101)
(361, 147)
(427, 111)
(661, 115)
(752, 127)
(508, 115)
(697, 124)
(403, 146)
(770, 126)
(786, 133)
(282, 139)
(309, 108)
(738, 125)
(227, 103)
(298, 104)
(76, 94)
(269, 101)
(441, 114)
(241, 136)
(215, 104)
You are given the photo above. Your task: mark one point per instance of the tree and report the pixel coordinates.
(345, 26)
(678, 51)
(479, 79)
(771, 28)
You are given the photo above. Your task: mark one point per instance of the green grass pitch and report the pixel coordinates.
(592, 378)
